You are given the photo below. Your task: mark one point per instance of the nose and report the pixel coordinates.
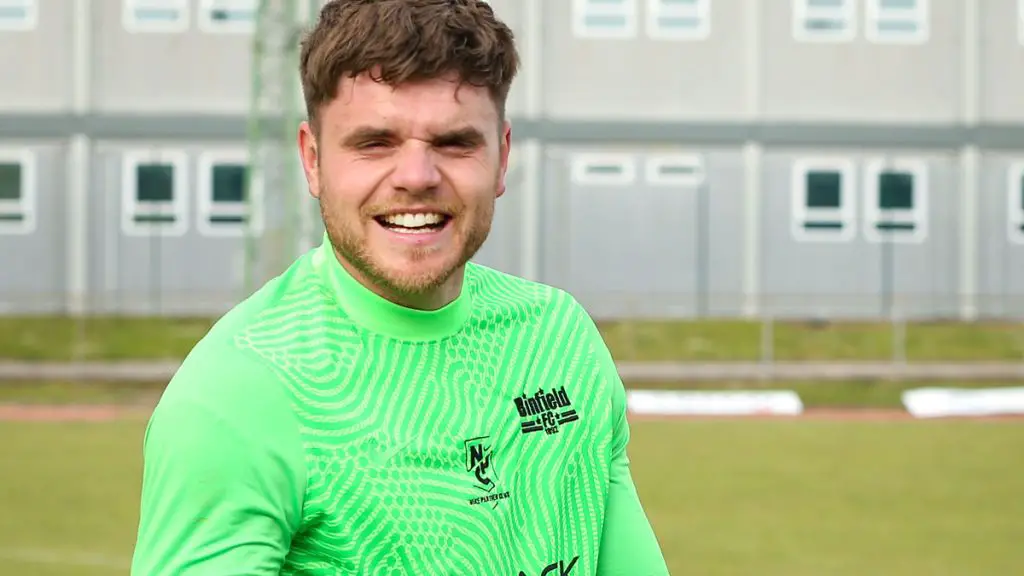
(416, 170)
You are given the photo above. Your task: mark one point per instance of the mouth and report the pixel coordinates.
(414, 222)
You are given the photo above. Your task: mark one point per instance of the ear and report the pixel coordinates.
(504, 148)
(310, 156)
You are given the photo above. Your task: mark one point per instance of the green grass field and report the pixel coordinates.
(883, 394)
(737, 498)
(52, 338)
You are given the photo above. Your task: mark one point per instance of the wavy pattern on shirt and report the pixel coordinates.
(385, 423)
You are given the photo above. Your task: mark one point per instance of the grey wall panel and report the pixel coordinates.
(673, 251)
(642, 77)
(633, 248)
(173, 71)
(1000, 249)
(858, 276)
(513, 13)
(190, 270)
(630, 244)
(809, 278)
(1001, 57)
(860, 80)
(36, 62)
(32, 261)
(503, 248)
(726, 223)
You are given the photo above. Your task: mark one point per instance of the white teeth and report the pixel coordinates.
(413, 220)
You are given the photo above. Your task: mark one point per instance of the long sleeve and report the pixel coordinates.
(629, 546)
(223, 476)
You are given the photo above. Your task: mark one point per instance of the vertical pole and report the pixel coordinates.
(77, 237)
(969, 160)
(752, 151)
(532, 150)
(767, 339)
(752, 298)
(255, 172)
(899, 339)
(531, 189)
(274, 114)
(78, 171)
(703, 247)
(289, 127)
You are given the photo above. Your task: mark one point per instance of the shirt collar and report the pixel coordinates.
(382, 316)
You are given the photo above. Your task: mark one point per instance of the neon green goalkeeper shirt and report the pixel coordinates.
(321, 430)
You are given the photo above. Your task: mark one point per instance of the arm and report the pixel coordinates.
(629, 546)
(223, 476)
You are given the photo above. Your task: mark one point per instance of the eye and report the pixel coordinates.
(372, 145)
(457, 144)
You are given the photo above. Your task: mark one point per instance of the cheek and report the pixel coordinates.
(477, 187)
(484, 194)
(346, 189)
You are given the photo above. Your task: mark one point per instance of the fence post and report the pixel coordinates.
(767, 339)
(899, 339)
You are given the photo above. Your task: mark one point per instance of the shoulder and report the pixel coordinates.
(551, 313)
(225, 373)
(557, 341)
(497, 291)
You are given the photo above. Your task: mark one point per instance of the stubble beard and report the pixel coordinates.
(351, 245)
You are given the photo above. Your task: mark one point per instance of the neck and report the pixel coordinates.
(428, 300)
(427, 317)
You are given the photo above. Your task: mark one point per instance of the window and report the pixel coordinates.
(824, 20)
(225, 208)
(227, 16)
(678, 170)
(604, 18)
(824, 208)
(1015, 204)
(154, 194)
(155, 15)
(18, 15)
(17, 192)
(604, 169)
(897, 21)
(896, 203)
(678, 19)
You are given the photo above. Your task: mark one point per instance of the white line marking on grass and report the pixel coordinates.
(64, 558)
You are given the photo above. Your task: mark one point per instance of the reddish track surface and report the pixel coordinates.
(99, 413)
(66, 413)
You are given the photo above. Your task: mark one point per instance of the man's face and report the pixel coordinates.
(407, 178)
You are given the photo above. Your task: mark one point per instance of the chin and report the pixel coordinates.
(416, 276)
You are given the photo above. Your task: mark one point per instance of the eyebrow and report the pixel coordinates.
(365, 133)
(466, 135)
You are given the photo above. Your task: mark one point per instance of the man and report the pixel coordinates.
(384, 406)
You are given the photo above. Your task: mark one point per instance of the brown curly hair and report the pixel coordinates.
(398, 41)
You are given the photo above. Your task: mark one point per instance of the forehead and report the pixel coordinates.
(423, 105)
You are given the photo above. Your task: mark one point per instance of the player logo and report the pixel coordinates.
(479, 456)
(547, 411)
(478, 461)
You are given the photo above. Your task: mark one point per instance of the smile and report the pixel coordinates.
(414, 223)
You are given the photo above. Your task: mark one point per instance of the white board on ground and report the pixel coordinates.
(935, 402)
(713, 402)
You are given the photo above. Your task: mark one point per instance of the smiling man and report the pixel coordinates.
(385, 406)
